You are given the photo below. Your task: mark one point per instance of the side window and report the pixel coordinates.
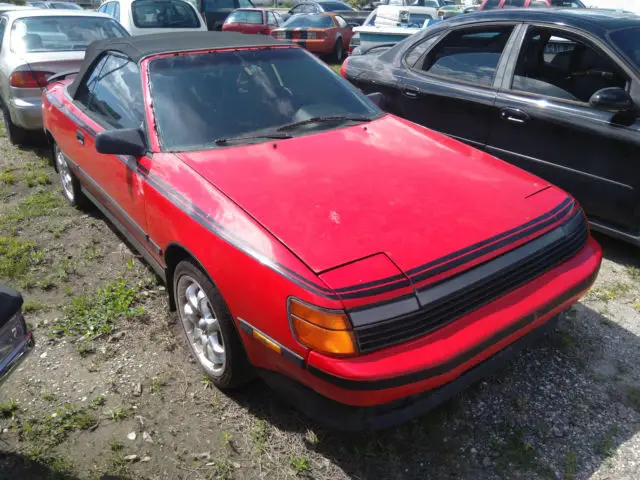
(102, 8)
(418, 52)
(341, 22)
(491, 4)
(469, 54)
(86, 87)
(117, 96)
(514, 3)
(554, 64)
(538, 4)
(116, 11)
(3, 27)
(109, 7)
(297, 9)
(271, 20)
(311, 8)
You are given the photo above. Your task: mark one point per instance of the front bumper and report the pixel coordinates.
(26, 112)
(444, 355)
(339, 416)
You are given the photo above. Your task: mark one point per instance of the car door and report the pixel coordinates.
(451, 88)
(546, 125)
(110, 100)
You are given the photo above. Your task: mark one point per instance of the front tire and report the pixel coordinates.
(208, 327)
(15, 134)
(338, 51)
(70, 184)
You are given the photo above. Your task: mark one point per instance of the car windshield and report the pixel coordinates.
(334, 6)
(164, 14)
(627, 42)
(245, 16)
(65, 6)
(51, 34)
(247, 93)
(309, 21)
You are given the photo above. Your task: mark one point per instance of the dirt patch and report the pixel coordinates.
(110, 388)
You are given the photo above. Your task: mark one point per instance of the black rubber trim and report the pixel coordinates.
(456, 361)
(284, 351)
(385, 311)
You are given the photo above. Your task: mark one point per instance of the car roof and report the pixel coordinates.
(41, 12)
(142, 46)
(595, 20)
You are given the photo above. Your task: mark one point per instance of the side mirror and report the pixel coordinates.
(376, 97)
(124, 141)
(613, 99)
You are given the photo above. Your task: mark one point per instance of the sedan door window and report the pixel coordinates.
(554, 64)
(470, 55)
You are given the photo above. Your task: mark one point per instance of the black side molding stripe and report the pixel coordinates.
(284, 351)
(456, 361)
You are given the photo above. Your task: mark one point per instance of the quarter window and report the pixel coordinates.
(469, 55)
(116, 11)
(554, 64)
(85, 88)
(418, 51)
(341, 22)
(116, 98)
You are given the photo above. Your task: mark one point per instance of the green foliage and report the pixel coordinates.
(51, 430)
(17, 256)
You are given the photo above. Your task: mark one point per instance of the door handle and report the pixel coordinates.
(514, 115)
(410, 92)
(80, 137)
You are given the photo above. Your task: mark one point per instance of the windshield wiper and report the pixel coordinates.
(226, 141)
(332, 118)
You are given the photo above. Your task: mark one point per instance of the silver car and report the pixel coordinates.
(34, 45)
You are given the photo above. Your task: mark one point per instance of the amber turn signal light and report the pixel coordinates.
(326, 331)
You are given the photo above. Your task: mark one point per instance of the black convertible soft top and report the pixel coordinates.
(142, 46)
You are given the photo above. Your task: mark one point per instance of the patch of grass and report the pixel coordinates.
(46, 284)
(226, 438)
(95, 314)
(613, 292)
(96, 402)
(64, 269)
(223, 469)
(606, 444)
(259, 435)
(301, 465)
(120, 413)
(17, 257)
(93, 253)
(37, 177)
(85, 348)
(59, 468)
(9, 409)
(311, 437)
(30, 306)
(8, 177)
(633, 396)
(634, 273)
(206, 381)
(49, 396)
(50, 430)
(570, 465)
(156, 384)
(116, 445)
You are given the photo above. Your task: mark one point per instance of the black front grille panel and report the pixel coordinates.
(462, 301)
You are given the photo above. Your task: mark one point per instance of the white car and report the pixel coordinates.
(142, 17)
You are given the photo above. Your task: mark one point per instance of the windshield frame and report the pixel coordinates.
(155, 134)
(113, 21)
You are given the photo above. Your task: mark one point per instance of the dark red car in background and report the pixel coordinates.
(366, 266)
(325, 34)
(252, 20)
(491, 4)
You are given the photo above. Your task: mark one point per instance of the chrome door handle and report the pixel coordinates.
(80, 137)
(514, 115)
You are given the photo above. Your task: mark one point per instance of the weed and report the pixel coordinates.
(614, 291)
(119, 414)
(226, 439)
(46, 284)
(130, 264)
(85, 348)
(223, 469)
(115, 445)
(606, 445)
(634, 273)
(311, 437)
(51, 430)
(301, 465)
(17, 257)
(68, 291)
(30, 306)
(93, 253)
(8, 410)
(64, 269)
(34, 178)
(157, 383)
(35, 205)
(8, 177)
(49, 396)
(259, 435)
(96, 402)
(570, 465)
(59, 468)
(95, 314)
(206, 381)
(633, 396)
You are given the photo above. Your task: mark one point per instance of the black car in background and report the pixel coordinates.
(16, 341)
(352, 16)
(555, 92)
(215, 12)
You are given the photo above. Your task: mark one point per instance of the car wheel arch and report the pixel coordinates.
(173, 255)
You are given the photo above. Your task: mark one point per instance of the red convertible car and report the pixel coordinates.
(364, 265)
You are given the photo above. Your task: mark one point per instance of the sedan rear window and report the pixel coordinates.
(51, 34)
(245, 16)
(246, 93)
(164, 14)
(309, 21)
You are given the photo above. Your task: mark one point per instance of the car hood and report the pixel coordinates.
(388, 186)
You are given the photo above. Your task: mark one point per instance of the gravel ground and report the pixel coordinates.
(110, 392)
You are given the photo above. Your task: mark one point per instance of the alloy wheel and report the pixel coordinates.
(66, 178)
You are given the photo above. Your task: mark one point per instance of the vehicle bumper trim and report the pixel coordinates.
(284, 351)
